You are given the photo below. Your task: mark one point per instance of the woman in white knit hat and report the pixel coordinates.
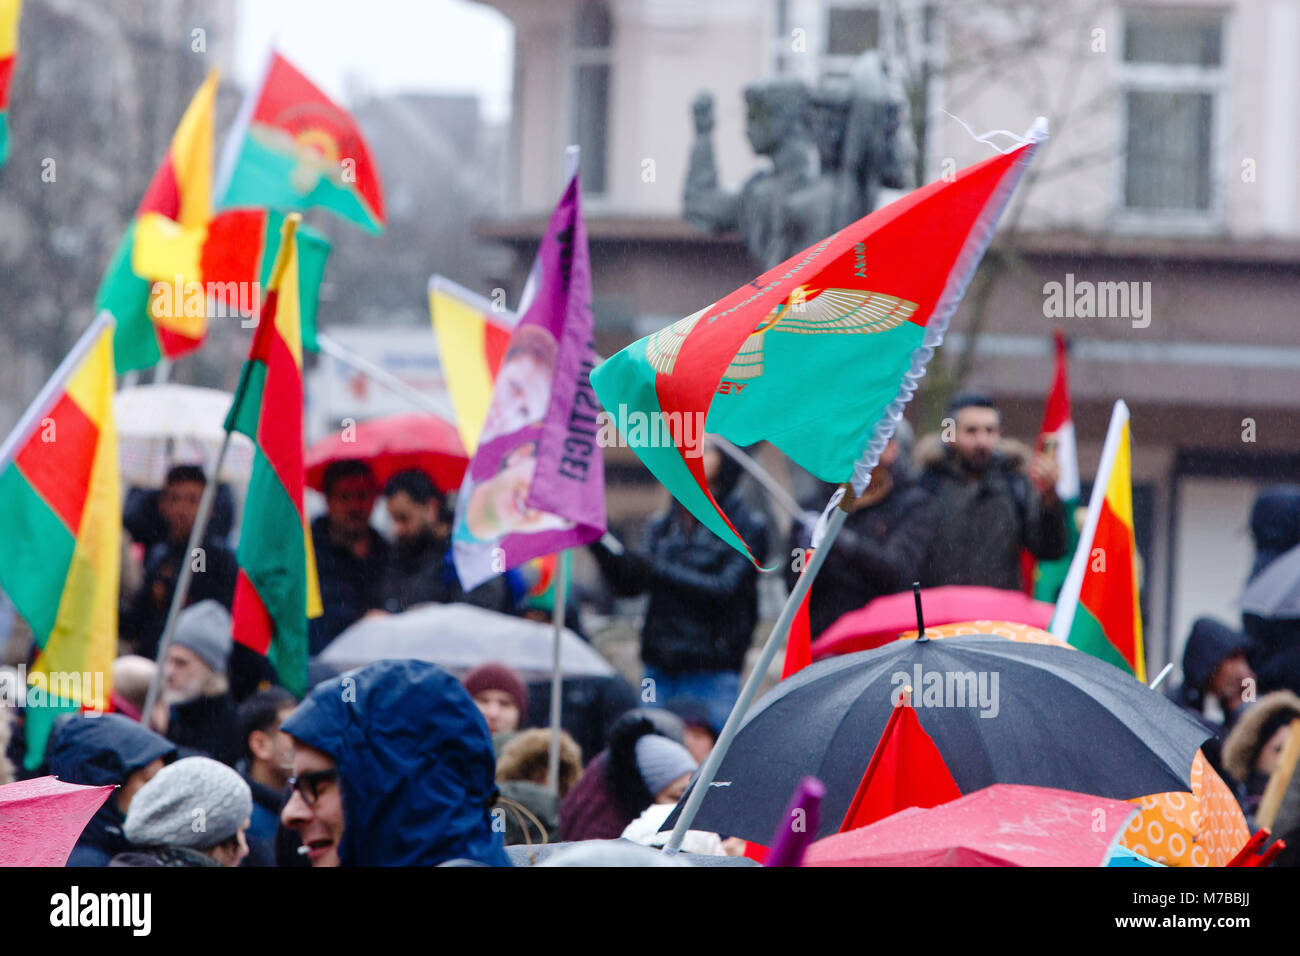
(192, 813)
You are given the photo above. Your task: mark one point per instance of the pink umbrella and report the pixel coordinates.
(883, 619)
(1001, 825)
(391, 444)
(41, 819)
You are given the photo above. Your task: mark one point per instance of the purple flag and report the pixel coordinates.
(537, 482)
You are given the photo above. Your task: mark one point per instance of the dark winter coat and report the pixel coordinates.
(415, 762)
(97, 752)
(421, 572)
(349, 586)
(267, 803)
(589, 811)
(982, 524)
(589, 706)
(878, 551)
(1275, 651)
(610, 794)
(209, 724)
(703, 592)
(163, 856)
(145, 615)
(1208, 645)
(518, 799)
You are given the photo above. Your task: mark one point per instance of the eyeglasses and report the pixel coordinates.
(309, 784)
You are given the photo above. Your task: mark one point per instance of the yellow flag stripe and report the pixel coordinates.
(83, 641)
(459, 328)
(10, 11)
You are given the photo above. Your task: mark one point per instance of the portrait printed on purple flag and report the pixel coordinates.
(522, 391)
(496, 497)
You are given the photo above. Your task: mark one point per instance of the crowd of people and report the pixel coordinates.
(401, 763)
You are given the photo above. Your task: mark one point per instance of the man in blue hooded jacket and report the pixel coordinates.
(102, 750)
(393, 766)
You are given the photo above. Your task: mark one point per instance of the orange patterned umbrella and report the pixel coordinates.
(1202, 828)
(1025, 633)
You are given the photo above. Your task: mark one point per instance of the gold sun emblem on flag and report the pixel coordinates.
(806, 312)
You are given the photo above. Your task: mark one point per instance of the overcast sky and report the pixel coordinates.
(383, 46)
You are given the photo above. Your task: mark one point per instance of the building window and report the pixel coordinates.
(1172, 79)
(851, 29)
(592, 57)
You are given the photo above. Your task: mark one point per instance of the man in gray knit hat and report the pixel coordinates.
(192, 813)
(196, 709)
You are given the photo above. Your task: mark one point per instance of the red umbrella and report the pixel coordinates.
(885, 618)
(41, 819)
(391, 444)
(1001, 825)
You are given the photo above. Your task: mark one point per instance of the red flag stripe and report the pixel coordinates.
(57, 460)
(1108, 594)
(252, 626)
(280, 435)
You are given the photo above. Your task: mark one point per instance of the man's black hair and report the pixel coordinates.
(178, 473)
(418, 486)
(971, 400)
(260, 711)
(347, 468)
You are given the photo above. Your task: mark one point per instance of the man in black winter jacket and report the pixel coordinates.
(878, 550)
(350, 554)
(986, 510)
(420, 568)
(703, 596)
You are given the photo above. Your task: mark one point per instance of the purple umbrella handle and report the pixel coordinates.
(798, 827)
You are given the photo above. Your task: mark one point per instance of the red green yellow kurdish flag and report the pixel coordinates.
(818, 355)
(1098, 609)
(10, 11)
(276, 590)
(292, 147)
(61, 520)
(224, 267)
(176, 205)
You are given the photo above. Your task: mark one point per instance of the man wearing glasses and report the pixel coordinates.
(392, 766)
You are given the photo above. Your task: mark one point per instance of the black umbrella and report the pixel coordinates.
(999, 711)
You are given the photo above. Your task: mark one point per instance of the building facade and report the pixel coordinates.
(1167, 190)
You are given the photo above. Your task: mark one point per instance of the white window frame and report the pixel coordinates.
(841, 62)
(579, 57)
(1171, 78)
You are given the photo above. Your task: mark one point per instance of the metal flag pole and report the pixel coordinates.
(557, 623)
(747, 694)
(381, 376)
(761, 475)
(184, 577)
(200, 526)
(571, 155)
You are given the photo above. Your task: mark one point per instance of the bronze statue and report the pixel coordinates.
(776, 127)
(832, 149)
